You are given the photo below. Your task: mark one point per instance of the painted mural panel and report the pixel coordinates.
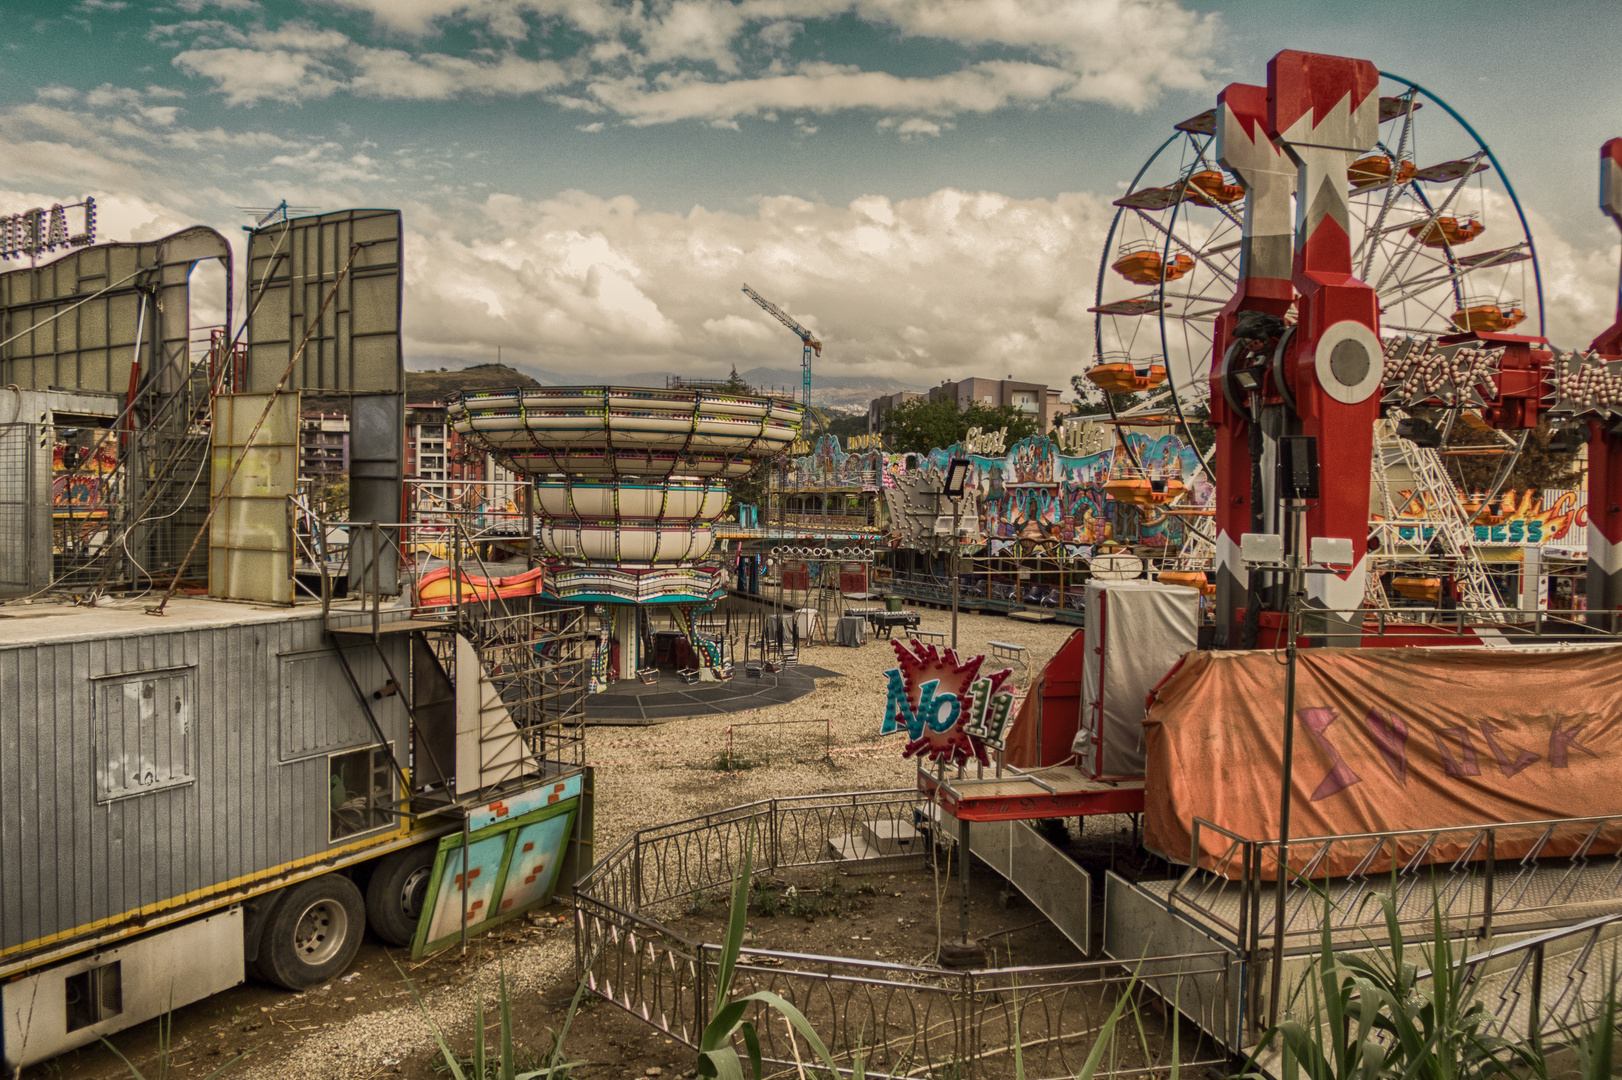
(512, 866)
(1516, 519)
(1032, 492)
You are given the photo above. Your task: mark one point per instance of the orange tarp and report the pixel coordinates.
(1386, 739)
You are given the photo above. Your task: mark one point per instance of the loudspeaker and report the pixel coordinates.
(1298, 467)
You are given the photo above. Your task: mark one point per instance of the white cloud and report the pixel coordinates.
(829, 88)
(780, 35)
(920, 289)
(392, 73)
(673, 60)
(914, 127)
(697, 30)
(502, 17)
(1579, 287)
(299, 61)
(249, 76)
(1124, 52)
(192, 7)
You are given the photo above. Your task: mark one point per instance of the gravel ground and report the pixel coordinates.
(824, 742)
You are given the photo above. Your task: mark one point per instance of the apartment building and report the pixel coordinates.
(881, 405)
(442, 471)
(1027, 397)
(323, 444)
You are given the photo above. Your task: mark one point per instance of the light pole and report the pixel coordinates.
(957, 475)
(1296, 566)
(1297, 485)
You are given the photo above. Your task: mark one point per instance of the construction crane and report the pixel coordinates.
(807, 339)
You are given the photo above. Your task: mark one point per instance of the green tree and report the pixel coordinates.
(845, 426)
(1538, 467)
(922, 425)
(1094, 401)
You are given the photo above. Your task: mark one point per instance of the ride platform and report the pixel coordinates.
(1020, 795)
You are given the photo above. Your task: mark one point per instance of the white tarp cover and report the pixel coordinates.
(1136, 631)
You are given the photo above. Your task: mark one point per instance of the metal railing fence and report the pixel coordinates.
(905, 1020)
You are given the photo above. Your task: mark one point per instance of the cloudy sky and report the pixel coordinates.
(587, 183)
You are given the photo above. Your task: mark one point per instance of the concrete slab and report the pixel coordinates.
(632, 703)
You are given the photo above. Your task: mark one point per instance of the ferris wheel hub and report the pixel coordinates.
(1349, 362)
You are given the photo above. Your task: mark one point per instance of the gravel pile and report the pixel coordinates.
(825, 742)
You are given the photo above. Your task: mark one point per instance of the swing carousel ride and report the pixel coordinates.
(628, 483)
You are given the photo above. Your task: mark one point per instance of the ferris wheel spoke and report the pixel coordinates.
(1199, 146)
(1185, 245)
(1425, 285)
(1394, 185)
(1442, 318)
(1196, 296)
(1416, 237)
(1441, 272)
(1228, 263)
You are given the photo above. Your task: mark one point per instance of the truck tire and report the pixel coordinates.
(395, 895)
(313, 933)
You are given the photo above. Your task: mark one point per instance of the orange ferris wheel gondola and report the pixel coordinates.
(1488, 316)
(1193, 579)
(1208, 187)
(1125, 376)
(1446, 231)
(1142, 264)
(1143, 491)
(1375, 170)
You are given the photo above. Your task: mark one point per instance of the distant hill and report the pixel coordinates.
(827, 391)
(425, 386)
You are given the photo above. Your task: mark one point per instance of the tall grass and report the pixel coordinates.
(504, 1066)
(1374, 1013)
(718, 1057)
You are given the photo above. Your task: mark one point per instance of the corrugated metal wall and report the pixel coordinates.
(225, 739)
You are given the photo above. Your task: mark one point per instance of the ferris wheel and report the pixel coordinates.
(1435, 229)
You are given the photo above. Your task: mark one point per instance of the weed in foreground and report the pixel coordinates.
(1376, 1014)
(478, 1065)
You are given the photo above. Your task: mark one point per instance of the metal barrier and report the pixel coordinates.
(904, 1020)
(1540, 989)
(1559, 867)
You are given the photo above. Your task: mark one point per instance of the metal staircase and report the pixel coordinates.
(1445, 512)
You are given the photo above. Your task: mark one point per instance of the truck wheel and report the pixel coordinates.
(313, 933)
(395, 895)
